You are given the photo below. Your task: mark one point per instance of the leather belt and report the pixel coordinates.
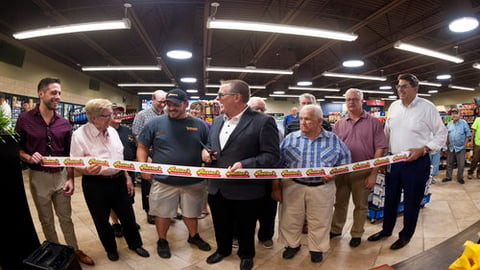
(114, 176)
(310, 184)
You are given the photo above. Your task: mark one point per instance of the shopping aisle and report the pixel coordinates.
(453, 207)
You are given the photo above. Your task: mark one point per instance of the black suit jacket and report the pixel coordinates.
(254, 143)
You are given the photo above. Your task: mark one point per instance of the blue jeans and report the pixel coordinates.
(435, 161)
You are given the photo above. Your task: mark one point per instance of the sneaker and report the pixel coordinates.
(235, 243)
(199, 242)
(470, 176)
(289, 252)
(316, 256)
(446, 179)
(117, 230)
(267, 243)
(163, 249)
(461, 181)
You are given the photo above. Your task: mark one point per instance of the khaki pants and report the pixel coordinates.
(47, 191)
(351, 183)
(313, 203)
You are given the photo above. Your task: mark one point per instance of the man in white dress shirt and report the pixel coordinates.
(413, 125)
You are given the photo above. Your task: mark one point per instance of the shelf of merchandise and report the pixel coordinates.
(377, 198)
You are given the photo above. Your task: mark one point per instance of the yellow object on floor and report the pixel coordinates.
(470, 258)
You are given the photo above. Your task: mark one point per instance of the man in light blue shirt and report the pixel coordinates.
(458, 136)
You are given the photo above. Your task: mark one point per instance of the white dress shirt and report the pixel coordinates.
(415, 126)
(229, 126)
(88, 141)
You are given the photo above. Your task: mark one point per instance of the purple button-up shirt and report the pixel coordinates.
(363, 137)
(36, 136)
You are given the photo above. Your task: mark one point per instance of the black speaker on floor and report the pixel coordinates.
(52, 256)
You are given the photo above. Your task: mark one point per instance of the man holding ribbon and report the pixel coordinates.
(175, 138)
(414, 125)
(312, 198)
(364, 136)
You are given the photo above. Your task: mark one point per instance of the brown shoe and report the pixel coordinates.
(84, 258)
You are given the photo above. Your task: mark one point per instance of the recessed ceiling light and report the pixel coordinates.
(304, 83)
(476, 65)
(179, 54)
(194, 97)
(463, 24)
(444, 76)
(188, 80)
(353, 63)
(192, 91)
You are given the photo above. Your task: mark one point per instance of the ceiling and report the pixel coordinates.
(157, 25)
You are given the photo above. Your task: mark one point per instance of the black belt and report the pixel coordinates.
(310, 184)
(110, 176)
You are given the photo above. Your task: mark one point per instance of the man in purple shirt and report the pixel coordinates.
(364, 136)
(43, 132)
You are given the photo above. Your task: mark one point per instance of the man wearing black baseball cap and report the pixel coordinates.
(176, 138)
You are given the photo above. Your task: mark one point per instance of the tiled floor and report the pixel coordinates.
(452, 208)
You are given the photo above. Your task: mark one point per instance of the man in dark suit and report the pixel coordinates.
(239, 138)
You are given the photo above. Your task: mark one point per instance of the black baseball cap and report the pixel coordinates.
(177, 95)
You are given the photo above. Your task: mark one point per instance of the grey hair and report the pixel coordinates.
(316, 109)
(307, 96)
(356, 91)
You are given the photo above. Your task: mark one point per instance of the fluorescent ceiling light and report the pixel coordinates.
(145, 85)
(251, 86)
(179, 54)
(279, 29)
(432, 91)
(423, 95)
(444, 76)
(194, 97)
(476, 65)
(250, 70)
(279, 92)
(353, 63)
(338, 102)
(385, 87)
(274, 95)
(188, 80)
(320, 99)
(430, 84)
(394, 97)
(313, 89)
(304, 83)
(388, 98)
(377, 92)
(74, 28)
(117, 68)
(211, 94)
(353, 76)
(463, 24)
(192, 91)
(461, 87)
(145, 93)
(334, 97)
(412, 48)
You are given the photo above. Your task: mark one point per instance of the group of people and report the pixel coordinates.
(243, 136)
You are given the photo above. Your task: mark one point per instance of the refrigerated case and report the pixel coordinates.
(65, 109)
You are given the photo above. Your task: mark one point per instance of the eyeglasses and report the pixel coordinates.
(352, 99)
(402, 86)
(220, 95)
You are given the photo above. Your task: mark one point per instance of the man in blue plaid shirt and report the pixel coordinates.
(308, 198)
